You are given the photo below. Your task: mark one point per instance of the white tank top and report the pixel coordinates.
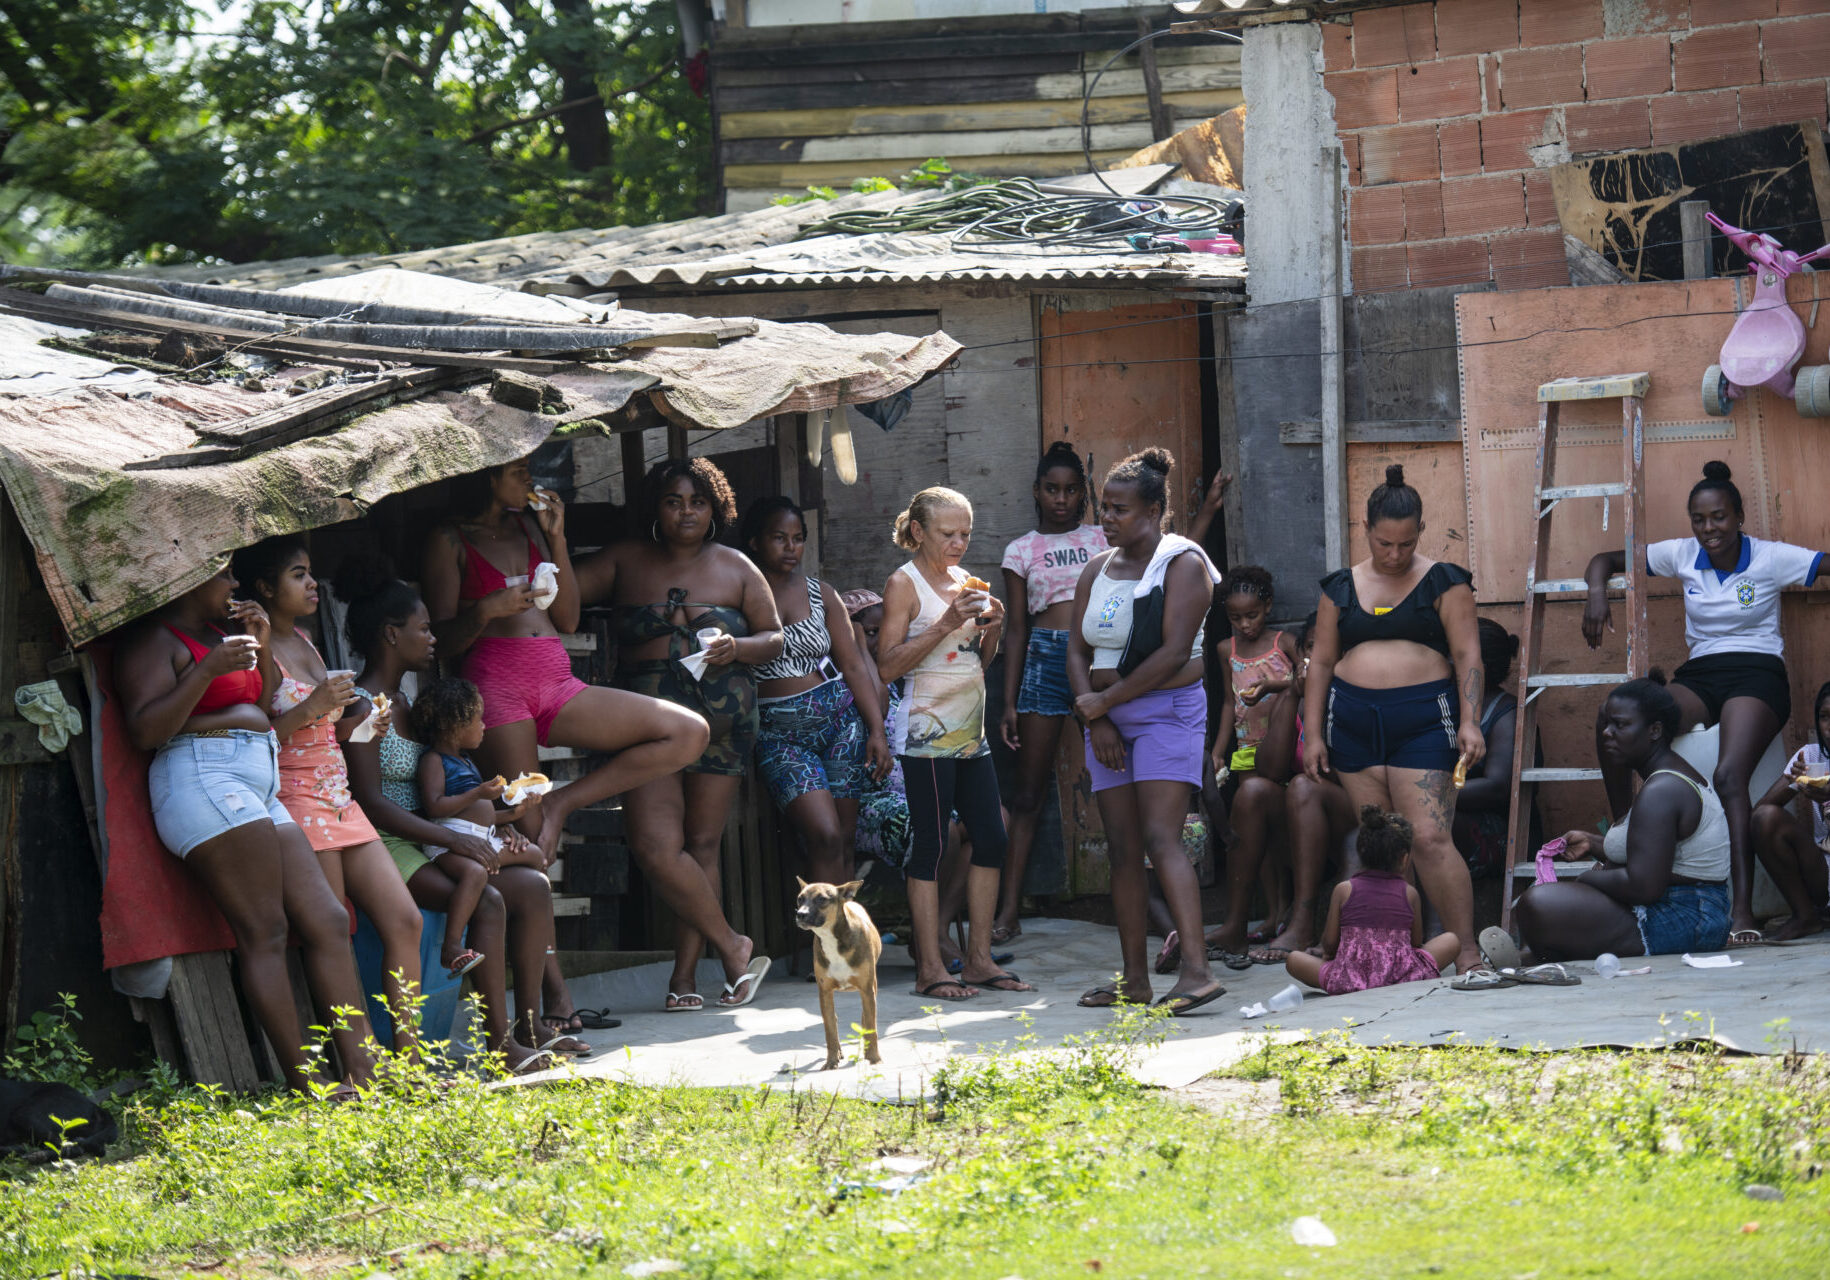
(942, 709)
(1702, 855)
(1106, 625)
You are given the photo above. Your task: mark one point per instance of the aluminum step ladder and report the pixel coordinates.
(1630, 389)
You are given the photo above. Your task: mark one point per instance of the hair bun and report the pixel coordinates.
(1394, 475)
(1157, 459)
(1715, 469)
(1061, 449)
(1372, 817)
(1656, 676)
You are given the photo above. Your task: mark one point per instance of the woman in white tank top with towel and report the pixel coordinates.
(1135, 663)
(1662, 887)
(937, 636)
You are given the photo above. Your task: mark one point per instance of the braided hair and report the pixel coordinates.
(1062, 454)
(1250, 580)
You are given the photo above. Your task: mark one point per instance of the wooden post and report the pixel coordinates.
(1161, 123)
(1698, 261)
(676, 441)
(1334, 359)
(634, 468)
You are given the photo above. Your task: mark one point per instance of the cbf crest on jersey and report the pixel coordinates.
(1744, 592)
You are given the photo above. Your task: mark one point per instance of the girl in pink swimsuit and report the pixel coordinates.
(312, 711)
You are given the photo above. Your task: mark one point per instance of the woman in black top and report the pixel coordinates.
(1394, 692)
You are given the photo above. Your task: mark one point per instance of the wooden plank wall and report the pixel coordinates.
(825, 105)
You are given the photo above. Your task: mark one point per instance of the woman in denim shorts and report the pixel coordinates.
(193, 693)
(1040, 570)
(1662, 886)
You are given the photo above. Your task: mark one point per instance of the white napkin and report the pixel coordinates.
(695, 664)
(517, 791)
(545, 583)
(1709, 962)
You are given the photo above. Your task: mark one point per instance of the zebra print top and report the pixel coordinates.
(804, 643)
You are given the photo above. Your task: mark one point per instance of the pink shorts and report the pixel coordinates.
(522, 678)
(1164, 733)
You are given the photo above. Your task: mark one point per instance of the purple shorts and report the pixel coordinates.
(1165, 734)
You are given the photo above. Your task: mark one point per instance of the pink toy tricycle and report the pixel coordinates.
(1768, 338)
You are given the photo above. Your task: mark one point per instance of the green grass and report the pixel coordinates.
(1451, 1161)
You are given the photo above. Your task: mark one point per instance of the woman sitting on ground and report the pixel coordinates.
(1795, 847)
(195, 694)
(388, 625)
(1135, 662)
(312, 710)
(819, 704)
(678, 592)
(478, 577)
(1663, 887)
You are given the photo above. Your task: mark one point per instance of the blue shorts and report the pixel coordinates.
(1412, 727)
(1044, 691)
(203, 785)
(811, 741)
(1690, 917)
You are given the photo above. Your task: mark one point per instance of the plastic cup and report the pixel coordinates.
(1286, 1001)
(707, 635)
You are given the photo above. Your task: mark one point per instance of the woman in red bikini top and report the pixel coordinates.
(511, 651)
(193, 693)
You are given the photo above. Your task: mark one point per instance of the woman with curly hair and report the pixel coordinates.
(479, 576)
(692, 618)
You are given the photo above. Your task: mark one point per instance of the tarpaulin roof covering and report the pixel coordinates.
(115, 542)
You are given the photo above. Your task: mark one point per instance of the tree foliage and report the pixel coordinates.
(156, 130)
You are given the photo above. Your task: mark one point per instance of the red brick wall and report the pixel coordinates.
(1450, 114)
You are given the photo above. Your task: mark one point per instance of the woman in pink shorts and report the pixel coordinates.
(480, 578)
(1135, 664)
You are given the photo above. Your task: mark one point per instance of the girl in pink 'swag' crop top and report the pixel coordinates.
(1051, 562)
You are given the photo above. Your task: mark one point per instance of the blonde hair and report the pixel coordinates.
(921, 510)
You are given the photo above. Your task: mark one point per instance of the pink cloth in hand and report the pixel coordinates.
(1547, 860)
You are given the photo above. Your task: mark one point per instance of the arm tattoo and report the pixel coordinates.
(1473, 685)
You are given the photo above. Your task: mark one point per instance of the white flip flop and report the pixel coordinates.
(753, 976)
(1498, 948)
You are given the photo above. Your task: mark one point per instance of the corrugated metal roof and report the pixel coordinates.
(739, 251)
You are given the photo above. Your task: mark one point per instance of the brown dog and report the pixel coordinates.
(845, 951)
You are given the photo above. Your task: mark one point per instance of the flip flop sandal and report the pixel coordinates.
(1482, 980)
(465, 962)
(739, 993)
(1498, 948)
(1746, 938)
(570, 1046)
(933, 990)
(1169, 959)
(596, 1020)
(1544, 975)
(1001, 983)
(539, 1061)
(1001, 935)
(1264, 934)
(1091, 1000)
(1181, 1004)
(1231, 959)
(955, 965)
(683, 1002)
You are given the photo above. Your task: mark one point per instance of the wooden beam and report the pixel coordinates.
(676, 441)
(1697, 242)
(1334, 368)
(634, 468)
(1160, 124)
(1419, 431)
(951, 118)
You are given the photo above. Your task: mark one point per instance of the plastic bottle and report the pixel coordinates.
(1286, 1001)
(1607, 965)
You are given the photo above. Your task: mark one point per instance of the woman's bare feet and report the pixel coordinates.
(1796, 927)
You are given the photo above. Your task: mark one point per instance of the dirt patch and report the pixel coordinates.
(1234, 1099)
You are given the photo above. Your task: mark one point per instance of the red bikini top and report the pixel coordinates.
(481, 577)
(224, 691)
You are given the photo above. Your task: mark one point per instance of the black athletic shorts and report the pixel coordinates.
(1721, 676)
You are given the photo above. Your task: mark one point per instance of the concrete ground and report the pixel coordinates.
(1775, 999)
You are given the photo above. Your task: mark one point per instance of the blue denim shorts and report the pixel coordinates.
(1690, 917)
(1044, 691)
(203, 785)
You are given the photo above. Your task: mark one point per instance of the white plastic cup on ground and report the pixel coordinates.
(1286, 1001)
(1607, 965)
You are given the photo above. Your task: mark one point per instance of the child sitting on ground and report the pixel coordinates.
(448, 714)
(1374, 934)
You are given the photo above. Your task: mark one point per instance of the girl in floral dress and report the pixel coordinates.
(309, 714)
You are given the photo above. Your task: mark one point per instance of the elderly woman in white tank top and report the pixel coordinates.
(940, 629)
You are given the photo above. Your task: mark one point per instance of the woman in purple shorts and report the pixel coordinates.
(1135, 665)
